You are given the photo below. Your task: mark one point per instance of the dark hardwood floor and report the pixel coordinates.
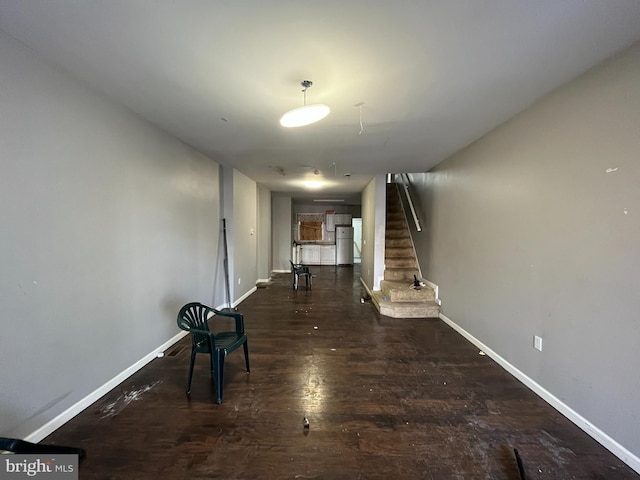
(385, 398)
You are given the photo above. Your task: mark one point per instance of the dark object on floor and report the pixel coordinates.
(305, 422)
(23, 447)
(196, 318)
(300, 270)
(356, 432)
(520, 465)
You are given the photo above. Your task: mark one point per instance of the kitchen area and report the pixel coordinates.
(323, 238)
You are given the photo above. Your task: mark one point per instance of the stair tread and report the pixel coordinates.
(400, 258)
(426, 303)
(398, 242)
(400, 285)
(403, 291)
(424, 309)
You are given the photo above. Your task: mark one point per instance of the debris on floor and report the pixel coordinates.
(119, 404)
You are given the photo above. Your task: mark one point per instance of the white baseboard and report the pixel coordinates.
(435, 289)
(245, 296)
(366, 287)
(237, 302)
(78, 407)
(281, 271)
(598, 435)
(263, 280)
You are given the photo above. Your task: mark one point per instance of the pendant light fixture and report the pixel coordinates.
(307, 114)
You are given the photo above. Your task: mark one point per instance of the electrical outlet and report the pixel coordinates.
(537, 342)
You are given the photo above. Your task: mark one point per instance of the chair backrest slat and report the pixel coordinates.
(194, 316)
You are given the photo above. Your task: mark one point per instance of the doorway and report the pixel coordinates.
(357, 240)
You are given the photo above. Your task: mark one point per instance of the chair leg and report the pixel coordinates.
(218, 359)
(295, 281)
(23, 447)
(213, 365)
(246, 355)
(193, 361)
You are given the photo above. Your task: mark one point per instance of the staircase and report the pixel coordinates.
(397, 298)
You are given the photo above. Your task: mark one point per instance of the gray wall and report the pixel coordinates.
(243, 235)
(263, 235)
(301, 207)
(281, 233)
(373, 230)
(527, 234)
(240, 206)
(107, 227)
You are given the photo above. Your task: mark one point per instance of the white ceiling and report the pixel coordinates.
(434, 75)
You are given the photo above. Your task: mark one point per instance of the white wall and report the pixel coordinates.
(373, 232)
(243, 235)
(107, 227)
(527, 234)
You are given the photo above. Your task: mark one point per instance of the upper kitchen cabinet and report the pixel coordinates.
(337, 219)
(331, 222)
(342, 219)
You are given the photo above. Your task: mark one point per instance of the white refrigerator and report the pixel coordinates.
(344, 245)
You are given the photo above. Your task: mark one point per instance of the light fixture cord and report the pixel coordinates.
(361, 127)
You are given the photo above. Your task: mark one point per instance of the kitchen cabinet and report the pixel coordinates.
(342, 219)
(331, 222)
(334, 219)
(310, 254)
(327, 254)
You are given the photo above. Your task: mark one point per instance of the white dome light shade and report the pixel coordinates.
(299, 117)
(312, 184)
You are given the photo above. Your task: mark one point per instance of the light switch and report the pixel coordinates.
(537, 342)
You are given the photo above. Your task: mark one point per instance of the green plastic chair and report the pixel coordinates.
(301, 270)
(196, 318)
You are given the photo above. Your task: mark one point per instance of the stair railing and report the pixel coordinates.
(404, 180)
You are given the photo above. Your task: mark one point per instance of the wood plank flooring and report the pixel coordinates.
(385, 398)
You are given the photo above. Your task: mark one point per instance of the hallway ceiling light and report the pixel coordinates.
(307, 114)
(313, 184)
